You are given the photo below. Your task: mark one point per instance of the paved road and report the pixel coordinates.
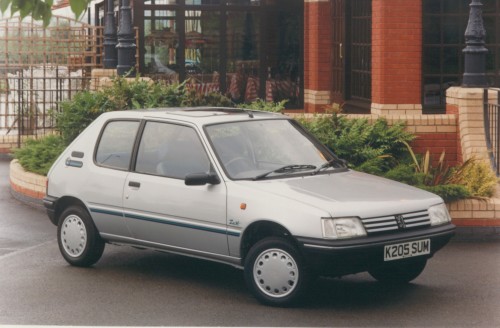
(460, 287)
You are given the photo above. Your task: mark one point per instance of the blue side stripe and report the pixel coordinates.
(173, 223)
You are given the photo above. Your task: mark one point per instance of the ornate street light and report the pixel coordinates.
(475, 51)
(126, 46)
(110, 54)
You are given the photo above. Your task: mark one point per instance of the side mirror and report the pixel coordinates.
(201, 179)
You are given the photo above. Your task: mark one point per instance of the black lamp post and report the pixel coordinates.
(475, 51)
(126, 46)
(110, 37)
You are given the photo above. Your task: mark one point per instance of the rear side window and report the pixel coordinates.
(116, 144)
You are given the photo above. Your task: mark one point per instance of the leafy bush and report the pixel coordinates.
(477, 176)
(369, 147)
(431, 175)
(448, 192)
(259, 104)
(193, 99)
(408, 174)
(384, 150)
(86, 106)
(38, 155)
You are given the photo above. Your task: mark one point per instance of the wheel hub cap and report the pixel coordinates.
(276, 273)
(73, 236)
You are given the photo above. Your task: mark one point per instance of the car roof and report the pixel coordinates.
(198, 115)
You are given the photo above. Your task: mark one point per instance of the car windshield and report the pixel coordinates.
(267, 148)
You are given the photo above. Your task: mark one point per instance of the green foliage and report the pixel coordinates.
(405, 173)
(477, 176)
(193, 99)
(38, 155)
(384, 150)
(122, 94)
(259, 104)
(40, 9)
(448, 192)
(431, 175)
(369, 147)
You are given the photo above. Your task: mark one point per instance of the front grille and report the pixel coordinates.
(404, 221)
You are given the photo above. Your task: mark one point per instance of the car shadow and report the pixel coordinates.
(358, 291)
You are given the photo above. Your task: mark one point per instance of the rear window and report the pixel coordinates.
(116, 144)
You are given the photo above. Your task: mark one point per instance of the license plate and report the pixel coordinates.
(409, 249)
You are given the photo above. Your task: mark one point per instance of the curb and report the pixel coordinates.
(477, 234)
(27, 200)
(27, 188)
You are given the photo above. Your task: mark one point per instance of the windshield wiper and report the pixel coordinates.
(285, 169)
(329, 164)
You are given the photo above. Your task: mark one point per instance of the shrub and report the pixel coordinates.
(431, 175)
(259, 104)
(193, 99)
(448, 192)
(405, 173)
(477, 176)
(76, 114)
(38, 155)
(370, 147)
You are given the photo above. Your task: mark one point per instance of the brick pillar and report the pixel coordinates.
(317, 54)
(397, 57)
(468, 102)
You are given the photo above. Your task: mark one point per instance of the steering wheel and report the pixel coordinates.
(234, 160)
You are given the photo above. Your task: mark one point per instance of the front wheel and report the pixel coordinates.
(398, 272)
(275, 272)
(78, 238)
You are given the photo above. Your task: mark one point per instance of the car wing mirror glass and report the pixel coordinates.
(201, 179)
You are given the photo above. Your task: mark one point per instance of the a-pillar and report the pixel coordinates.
(317, 54)
(396, 57)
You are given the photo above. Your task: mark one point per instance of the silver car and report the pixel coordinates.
(250, 189)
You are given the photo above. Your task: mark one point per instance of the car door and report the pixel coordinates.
(105, 180)
(159, 207)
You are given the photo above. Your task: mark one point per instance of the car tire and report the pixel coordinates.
(398, 272)
(275, 272)
(78, 238)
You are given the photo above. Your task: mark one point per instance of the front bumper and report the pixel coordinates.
(341, 257)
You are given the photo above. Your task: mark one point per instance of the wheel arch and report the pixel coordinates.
(67, 201)
(259, 230)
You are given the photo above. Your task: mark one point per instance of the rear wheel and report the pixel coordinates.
(399, 272)
(78, 238)
(275, 272)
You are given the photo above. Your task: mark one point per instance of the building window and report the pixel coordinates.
(247, 49)
(444, 25)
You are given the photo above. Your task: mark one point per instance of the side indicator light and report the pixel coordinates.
(243, 206)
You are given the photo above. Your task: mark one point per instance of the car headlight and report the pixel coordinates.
(339, 228)
(439, 214)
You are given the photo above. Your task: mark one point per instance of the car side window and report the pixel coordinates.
(171, 150)
(116, 144)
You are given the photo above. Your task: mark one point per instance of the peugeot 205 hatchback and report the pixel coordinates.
(250, 189)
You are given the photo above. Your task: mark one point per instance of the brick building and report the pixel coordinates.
(394, 58)
(375, 56)
(388, 55)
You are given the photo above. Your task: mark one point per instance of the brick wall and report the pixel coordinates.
(396, 52)
(317, 54)
(436, 133)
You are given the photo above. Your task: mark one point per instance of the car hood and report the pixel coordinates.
(348, 193)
